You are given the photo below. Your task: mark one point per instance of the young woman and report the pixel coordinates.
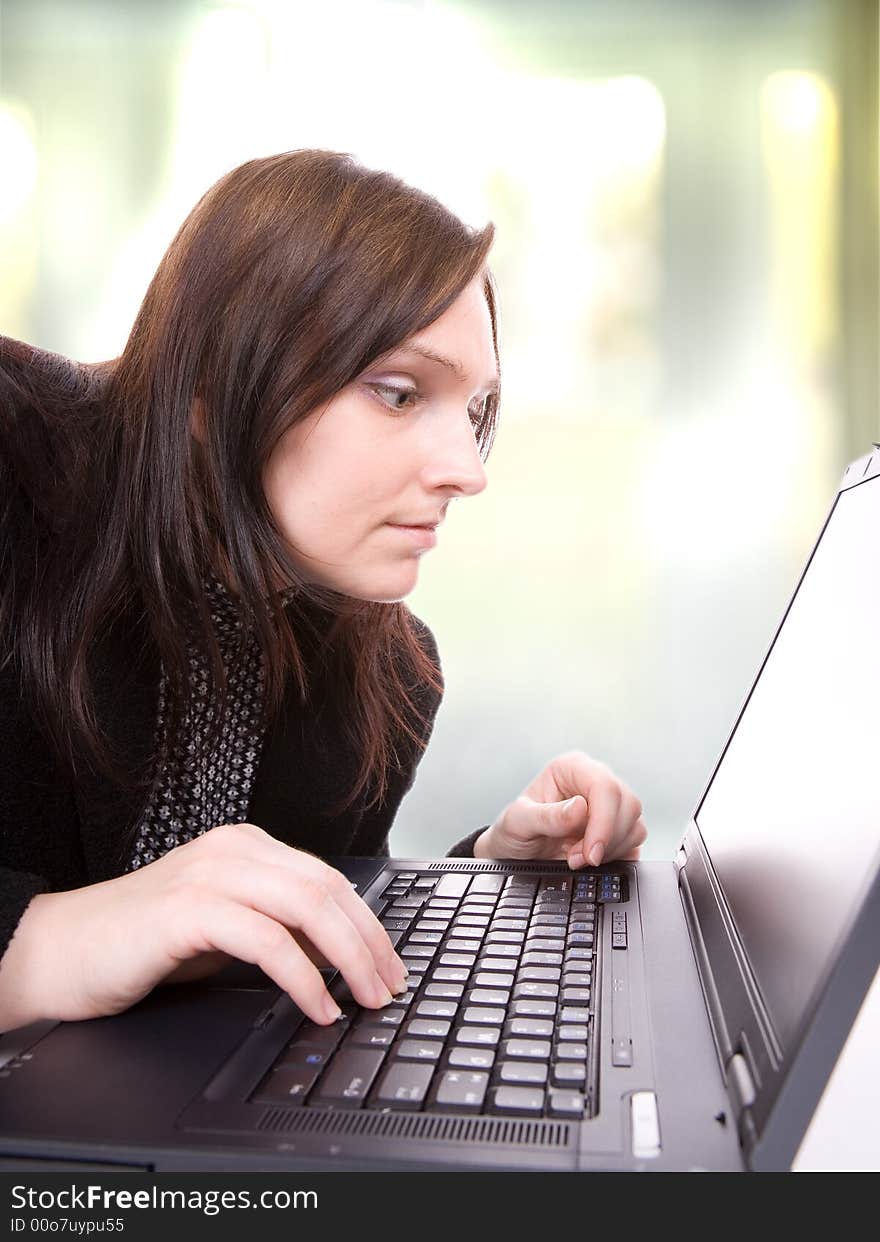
(208, 678)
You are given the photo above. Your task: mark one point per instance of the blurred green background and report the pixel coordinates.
(686, 203)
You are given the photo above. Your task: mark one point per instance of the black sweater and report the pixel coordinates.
(56, 835)
(59, 833)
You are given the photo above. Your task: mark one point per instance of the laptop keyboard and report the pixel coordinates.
(499, 1015)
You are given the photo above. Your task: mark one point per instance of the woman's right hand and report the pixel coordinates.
(236, 890)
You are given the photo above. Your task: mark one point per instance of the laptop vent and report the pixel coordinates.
(422, 1128)
(450, 864)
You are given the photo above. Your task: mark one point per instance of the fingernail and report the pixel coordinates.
(383, 995)
(596, 854)
(331, 1009)
(575, 860)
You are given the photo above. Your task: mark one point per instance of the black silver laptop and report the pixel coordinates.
(656, 1015)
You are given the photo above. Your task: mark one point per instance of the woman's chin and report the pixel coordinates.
(387, 588)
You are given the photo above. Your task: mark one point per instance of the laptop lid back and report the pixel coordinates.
(778, 871)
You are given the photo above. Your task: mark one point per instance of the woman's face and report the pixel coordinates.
(392, 448)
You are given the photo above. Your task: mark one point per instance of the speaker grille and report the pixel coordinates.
(425, 1128)
(451, 864)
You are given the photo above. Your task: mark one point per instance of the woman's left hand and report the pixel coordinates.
(576, 809)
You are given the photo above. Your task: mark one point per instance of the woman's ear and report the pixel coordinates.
(197, 420)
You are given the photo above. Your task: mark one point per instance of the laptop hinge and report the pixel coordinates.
(741, 1089)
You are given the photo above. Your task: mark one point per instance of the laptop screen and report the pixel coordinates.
(791, 817)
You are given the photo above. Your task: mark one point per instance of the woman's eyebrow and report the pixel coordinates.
(493, 383)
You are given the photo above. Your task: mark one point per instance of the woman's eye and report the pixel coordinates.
(396, 393)
(479, 414)
(403, 399)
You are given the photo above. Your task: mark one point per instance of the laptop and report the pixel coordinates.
(675, 1015)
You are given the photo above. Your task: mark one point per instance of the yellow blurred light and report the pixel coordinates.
(794, 101)
(18, 159)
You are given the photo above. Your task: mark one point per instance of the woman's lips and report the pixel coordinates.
(423, 536)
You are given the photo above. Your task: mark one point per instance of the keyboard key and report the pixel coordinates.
(420, 950)
(424, 937)
(572, 1031)
(549, 920)
(452, 885)
(541, 959)
(504, 937)
(418, 1050)
(371, 1035)
(461, 1090)
(381, 1017)
(488, 996)
(471, 920)
(391, 925)
(542, 943)
(569, 1073)
(505, 951)
(458, 959)
(502, 964)
(480, 1035)
(404, 999)
(451, 974)
(482, 1014)
(573, 1013)
(486, 884)
(319, 1036)
(529, 1026)
(576, 994)
(576, 980)
(491, 979)
(541, 974)
(288, 1084)
(560, 884)
(510, 925)
(569, 1051)
(427, 1028)
(445, 991)
(471, 1058)
(526, 1049)
(349, 1078)
(312, 1055)
(405, 1084)
(533, 1009)
(517, 1100)
(436, 1009)
(566, 1104)
(523, 1072)
(578, 955)
(454, 945)
(535, 991)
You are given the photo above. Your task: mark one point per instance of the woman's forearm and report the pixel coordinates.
(22, 996)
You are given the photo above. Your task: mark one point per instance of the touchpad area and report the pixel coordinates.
(124, 1079)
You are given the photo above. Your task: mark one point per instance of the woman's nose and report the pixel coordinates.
(458, 463)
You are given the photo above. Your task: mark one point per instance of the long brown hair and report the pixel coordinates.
(290, 276)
